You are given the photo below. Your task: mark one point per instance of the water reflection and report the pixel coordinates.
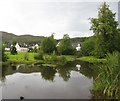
(48, 73)
(70, 81)
(88, 69)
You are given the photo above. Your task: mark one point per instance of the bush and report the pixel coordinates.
(13, 50)
(62, 60)
(87, 47)
(39, 56)
(4, 57)
(53, 57)
(46, 58)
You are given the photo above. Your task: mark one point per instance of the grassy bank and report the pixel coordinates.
(23, 57)
(28, 58)
(91, 59)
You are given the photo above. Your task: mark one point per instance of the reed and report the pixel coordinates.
(108, 80)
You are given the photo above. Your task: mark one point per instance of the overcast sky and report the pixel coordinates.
(43, 17)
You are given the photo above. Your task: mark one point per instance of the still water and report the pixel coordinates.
(72, 81)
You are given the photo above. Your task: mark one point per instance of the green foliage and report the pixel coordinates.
(91, 59)
(28, 39)
(65, 47)
(39, 55)
(48, 73)
(53, 57)
(100, 48)
(30, 49)
(35, 49)
(108, 79)
(62, 60)
(47, 58)
(88, 46)
(4, 56)
(48, 45)
(117, 42)
(106, 32)
(13, 50)
(14, 43)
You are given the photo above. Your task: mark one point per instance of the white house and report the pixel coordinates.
(7, 49)
(78, 47)
(35, 46)
(21, 49)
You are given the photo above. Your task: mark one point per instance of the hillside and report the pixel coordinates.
(9, 37)
(30, 39)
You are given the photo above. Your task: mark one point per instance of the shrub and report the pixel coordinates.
(39, 55)
(4, 57)
(53, 57)
(47, 58)
(62, 60)
(88, 46)
(13, 50)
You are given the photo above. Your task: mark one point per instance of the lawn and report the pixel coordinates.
(91, 59)
(21, 56)
(69, 57)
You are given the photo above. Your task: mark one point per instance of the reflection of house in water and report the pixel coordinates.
(21, 49)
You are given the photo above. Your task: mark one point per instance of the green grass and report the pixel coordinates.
(70, 58)
(91, 59)
(20, 56)
(108, 80)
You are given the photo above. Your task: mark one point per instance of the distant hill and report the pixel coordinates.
(10, 37)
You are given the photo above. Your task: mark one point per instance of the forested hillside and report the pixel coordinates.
(30, 39)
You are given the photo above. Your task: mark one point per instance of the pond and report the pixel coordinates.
(72, 81)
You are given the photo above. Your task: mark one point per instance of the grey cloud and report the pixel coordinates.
(45, 17)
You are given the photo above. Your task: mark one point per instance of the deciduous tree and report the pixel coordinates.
(65, 47)
(105, 29)
(48, 45)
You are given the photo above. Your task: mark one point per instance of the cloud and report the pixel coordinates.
(40, 17)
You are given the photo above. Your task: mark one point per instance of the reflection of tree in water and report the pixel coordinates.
(14, 68)
(64, 71)
(88, 69)
(48, 73)
(4, 70)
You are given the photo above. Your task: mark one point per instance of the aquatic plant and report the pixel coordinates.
(108, 80)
